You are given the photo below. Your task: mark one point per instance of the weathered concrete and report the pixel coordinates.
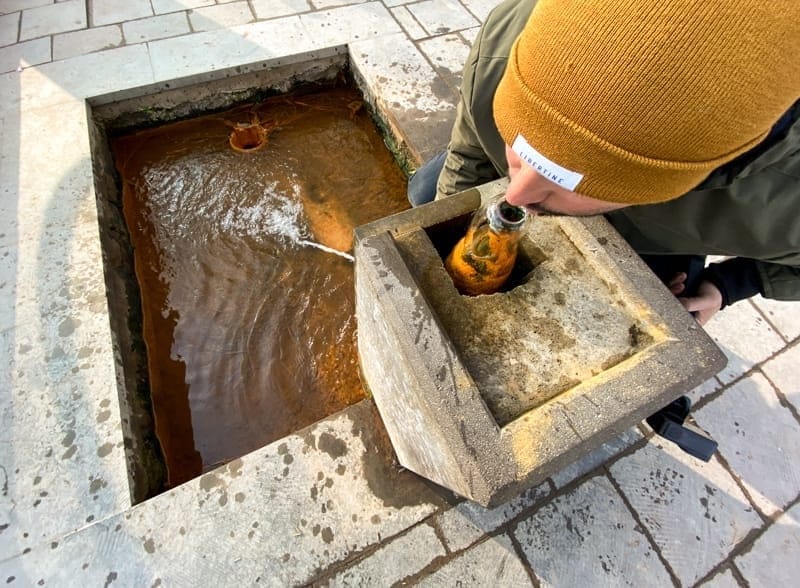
(489, 395)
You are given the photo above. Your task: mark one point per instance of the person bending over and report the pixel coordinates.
(676, 120)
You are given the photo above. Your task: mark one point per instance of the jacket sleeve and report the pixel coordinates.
(779, 282)
(748, 215)
(466, 164)
(736, 279)
(476, 152)
(739, 278)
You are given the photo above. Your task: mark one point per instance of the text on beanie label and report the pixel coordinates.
(544, 167)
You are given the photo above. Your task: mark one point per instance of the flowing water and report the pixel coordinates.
(243, 262)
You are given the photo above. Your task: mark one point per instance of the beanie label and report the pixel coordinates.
(546, 168)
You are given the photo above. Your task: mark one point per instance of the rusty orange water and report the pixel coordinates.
(248, 315)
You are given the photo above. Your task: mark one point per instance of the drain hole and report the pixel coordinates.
(245, 138)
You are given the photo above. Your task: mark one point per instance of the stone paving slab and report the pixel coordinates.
(395, 561)
(60, 357)
(25, 54)
(292, 509)
(442, 16)
(596, 458)
(14, 5)
(64, 81)
(782, 372)
(773, 561)
(77, 43)
(745, 337)
(447, 53)
(410, 25)
(757, 437)
(226, 48)
(355, 23)
(724, 579)
(468, 522)
(407, 89)
(164, 6)
(9, 28)
(694, 511)
(703, 390)
(479, 8)
(493, 562)
(105, 12)
(55, 18)
(784, 315)
(589, 537)
(273, 8)
(156, 27)
(324, 4)
(220, 16)
(469, 35)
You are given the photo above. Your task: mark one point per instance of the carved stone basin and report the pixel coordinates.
(490, 395)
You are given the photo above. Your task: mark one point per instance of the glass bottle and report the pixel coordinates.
(482, 260)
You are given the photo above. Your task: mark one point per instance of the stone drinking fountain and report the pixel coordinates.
(490, 395)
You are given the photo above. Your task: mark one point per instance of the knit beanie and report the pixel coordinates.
(637, 101)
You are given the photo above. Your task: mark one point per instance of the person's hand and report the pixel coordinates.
(677, 284)
(705, 304)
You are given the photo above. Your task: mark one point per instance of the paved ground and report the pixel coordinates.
(636, 512)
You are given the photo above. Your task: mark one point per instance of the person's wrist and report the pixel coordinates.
(713, 275)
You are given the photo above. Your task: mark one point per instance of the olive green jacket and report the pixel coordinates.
(749, 209)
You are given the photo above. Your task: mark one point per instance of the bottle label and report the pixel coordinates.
(562, 176)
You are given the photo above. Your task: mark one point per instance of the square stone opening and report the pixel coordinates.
(446, 234)
(127, 111)
(489, 395)
(554, 324)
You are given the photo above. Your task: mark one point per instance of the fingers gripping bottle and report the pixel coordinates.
(482, 260)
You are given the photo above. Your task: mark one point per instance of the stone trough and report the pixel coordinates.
(490, 395)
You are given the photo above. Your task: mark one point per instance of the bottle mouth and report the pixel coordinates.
(512, 217)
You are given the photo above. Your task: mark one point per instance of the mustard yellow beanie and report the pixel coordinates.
(637, 101)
